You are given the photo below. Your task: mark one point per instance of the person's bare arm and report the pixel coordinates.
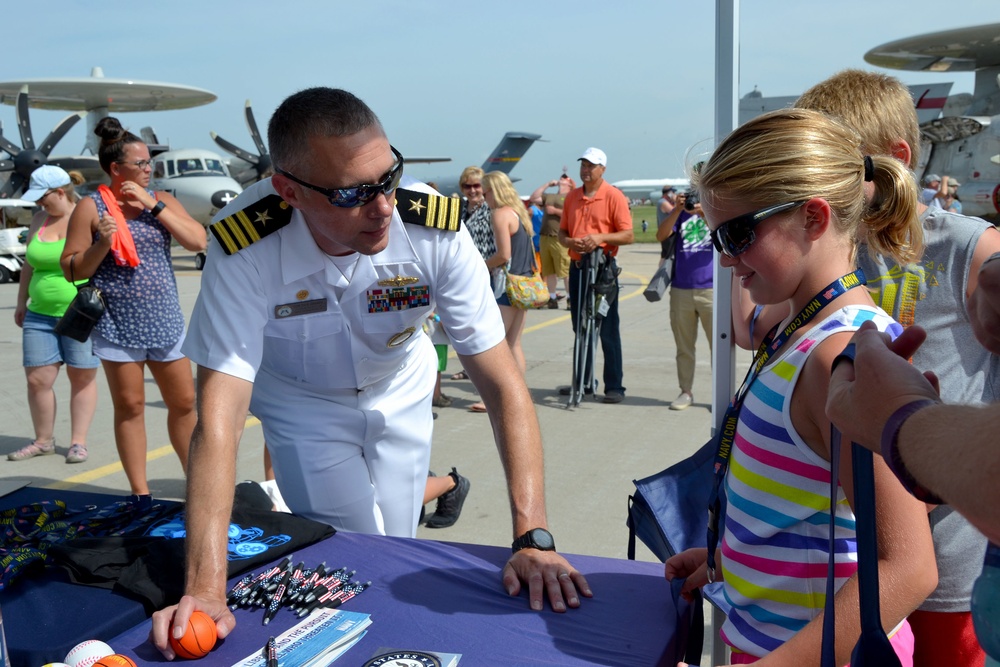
(539, 193)
(223, 401)
(984, 304)
(948, 449)
(502, 221)
(87, 254)
(666, 228)
(189, 232)
(519, 442)
(21, 307)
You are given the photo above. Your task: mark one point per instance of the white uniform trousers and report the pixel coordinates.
(356, 460)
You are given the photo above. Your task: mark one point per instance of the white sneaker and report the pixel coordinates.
(682, 402)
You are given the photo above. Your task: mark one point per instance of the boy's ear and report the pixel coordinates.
(817, 217)
(901, 151)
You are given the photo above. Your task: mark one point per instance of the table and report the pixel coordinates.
(444, 596)
(429, 595)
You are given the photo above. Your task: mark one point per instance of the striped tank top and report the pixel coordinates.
(775, 543)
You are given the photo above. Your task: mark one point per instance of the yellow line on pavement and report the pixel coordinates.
(160, 452)
(116, 467)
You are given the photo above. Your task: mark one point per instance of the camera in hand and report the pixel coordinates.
(691, 199)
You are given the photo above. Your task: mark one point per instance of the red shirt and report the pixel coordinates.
(604, 213)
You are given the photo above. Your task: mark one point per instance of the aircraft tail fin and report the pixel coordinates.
(509, 151)
(148, 135)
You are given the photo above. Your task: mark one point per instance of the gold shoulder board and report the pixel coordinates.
(420, 208)
(251, 224)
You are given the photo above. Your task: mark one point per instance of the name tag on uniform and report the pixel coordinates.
(398, 298)
(299, 308)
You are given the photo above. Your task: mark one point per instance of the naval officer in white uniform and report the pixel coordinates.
(309, 314)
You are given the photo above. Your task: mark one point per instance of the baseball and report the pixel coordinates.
(86, 653)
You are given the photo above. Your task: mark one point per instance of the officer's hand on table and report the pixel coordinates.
(864, 394)
(175, 617)
(545, 572)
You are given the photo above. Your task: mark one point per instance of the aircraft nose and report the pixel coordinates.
(221, 198)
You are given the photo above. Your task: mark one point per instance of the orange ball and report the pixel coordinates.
(199, 637)
(115, 660)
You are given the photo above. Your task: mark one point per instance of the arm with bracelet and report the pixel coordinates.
(940, 453)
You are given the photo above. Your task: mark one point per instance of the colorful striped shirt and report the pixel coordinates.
(775, 544)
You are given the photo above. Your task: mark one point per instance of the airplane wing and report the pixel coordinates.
(960, 50)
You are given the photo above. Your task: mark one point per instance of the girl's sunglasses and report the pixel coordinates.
(734, 237)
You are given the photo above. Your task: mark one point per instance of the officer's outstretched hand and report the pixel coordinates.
(174, 619)
(545, 572)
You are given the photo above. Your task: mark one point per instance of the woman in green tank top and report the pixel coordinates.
(42, 298)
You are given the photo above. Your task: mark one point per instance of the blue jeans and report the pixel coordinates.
(611, 338)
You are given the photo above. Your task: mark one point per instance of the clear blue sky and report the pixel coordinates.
(449, 78)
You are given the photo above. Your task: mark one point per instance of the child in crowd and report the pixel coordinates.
(784, 196)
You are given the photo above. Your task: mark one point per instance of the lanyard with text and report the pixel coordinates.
(725, 436)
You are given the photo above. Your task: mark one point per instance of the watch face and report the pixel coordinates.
(542, 539)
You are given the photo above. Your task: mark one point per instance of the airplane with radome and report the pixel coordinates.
(198, 178)
(963, 145)
(960, 134)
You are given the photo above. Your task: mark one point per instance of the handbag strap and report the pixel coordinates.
(873, 638)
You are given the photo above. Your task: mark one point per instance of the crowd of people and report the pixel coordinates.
(815, 211)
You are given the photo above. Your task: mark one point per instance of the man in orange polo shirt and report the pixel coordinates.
(597, 215)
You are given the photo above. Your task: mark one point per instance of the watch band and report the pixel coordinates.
(890, 450)
(156, 210)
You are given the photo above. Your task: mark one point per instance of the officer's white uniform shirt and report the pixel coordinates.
(343, 393)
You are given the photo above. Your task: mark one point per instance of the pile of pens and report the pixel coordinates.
(299, 588)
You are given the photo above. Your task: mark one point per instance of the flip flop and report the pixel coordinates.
(477, 407)
(461, 375)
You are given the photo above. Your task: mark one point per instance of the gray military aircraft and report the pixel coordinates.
(964, 144)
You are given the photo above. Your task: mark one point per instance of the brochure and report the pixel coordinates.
(317, 640)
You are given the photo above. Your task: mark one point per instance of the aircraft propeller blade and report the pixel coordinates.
(76, 162)
(8, 146)
(23, 122)
(60, 131)
(234, 149)
(254, 132)
(6, 165)
(12, 185)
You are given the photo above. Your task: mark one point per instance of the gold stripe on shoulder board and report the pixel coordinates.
(249, 225)
(435, 211)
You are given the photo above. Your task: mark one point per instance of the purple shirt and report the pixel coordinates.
(693, 259)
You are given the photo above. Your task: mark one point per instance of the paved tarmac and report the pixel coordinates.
(592, 453)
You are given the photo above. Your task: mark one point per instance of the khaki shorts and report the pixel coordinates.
(555, 257)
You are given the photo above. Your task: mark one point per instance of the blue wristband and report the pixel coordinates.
(890, 450)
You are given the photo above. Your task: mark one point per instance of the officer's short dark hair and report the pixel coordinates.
(321, 111)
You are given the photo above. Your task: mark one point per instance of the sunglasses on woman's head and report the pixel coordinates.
(734, 237)
(359, 195)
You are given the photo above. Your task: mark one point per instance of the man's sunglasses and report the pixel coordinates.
(734, 237)
(359, 195)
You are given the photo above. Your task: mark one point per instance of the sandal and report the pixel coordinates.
(77, 454)
(32, 450)
(477, 407)
(461, 375)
